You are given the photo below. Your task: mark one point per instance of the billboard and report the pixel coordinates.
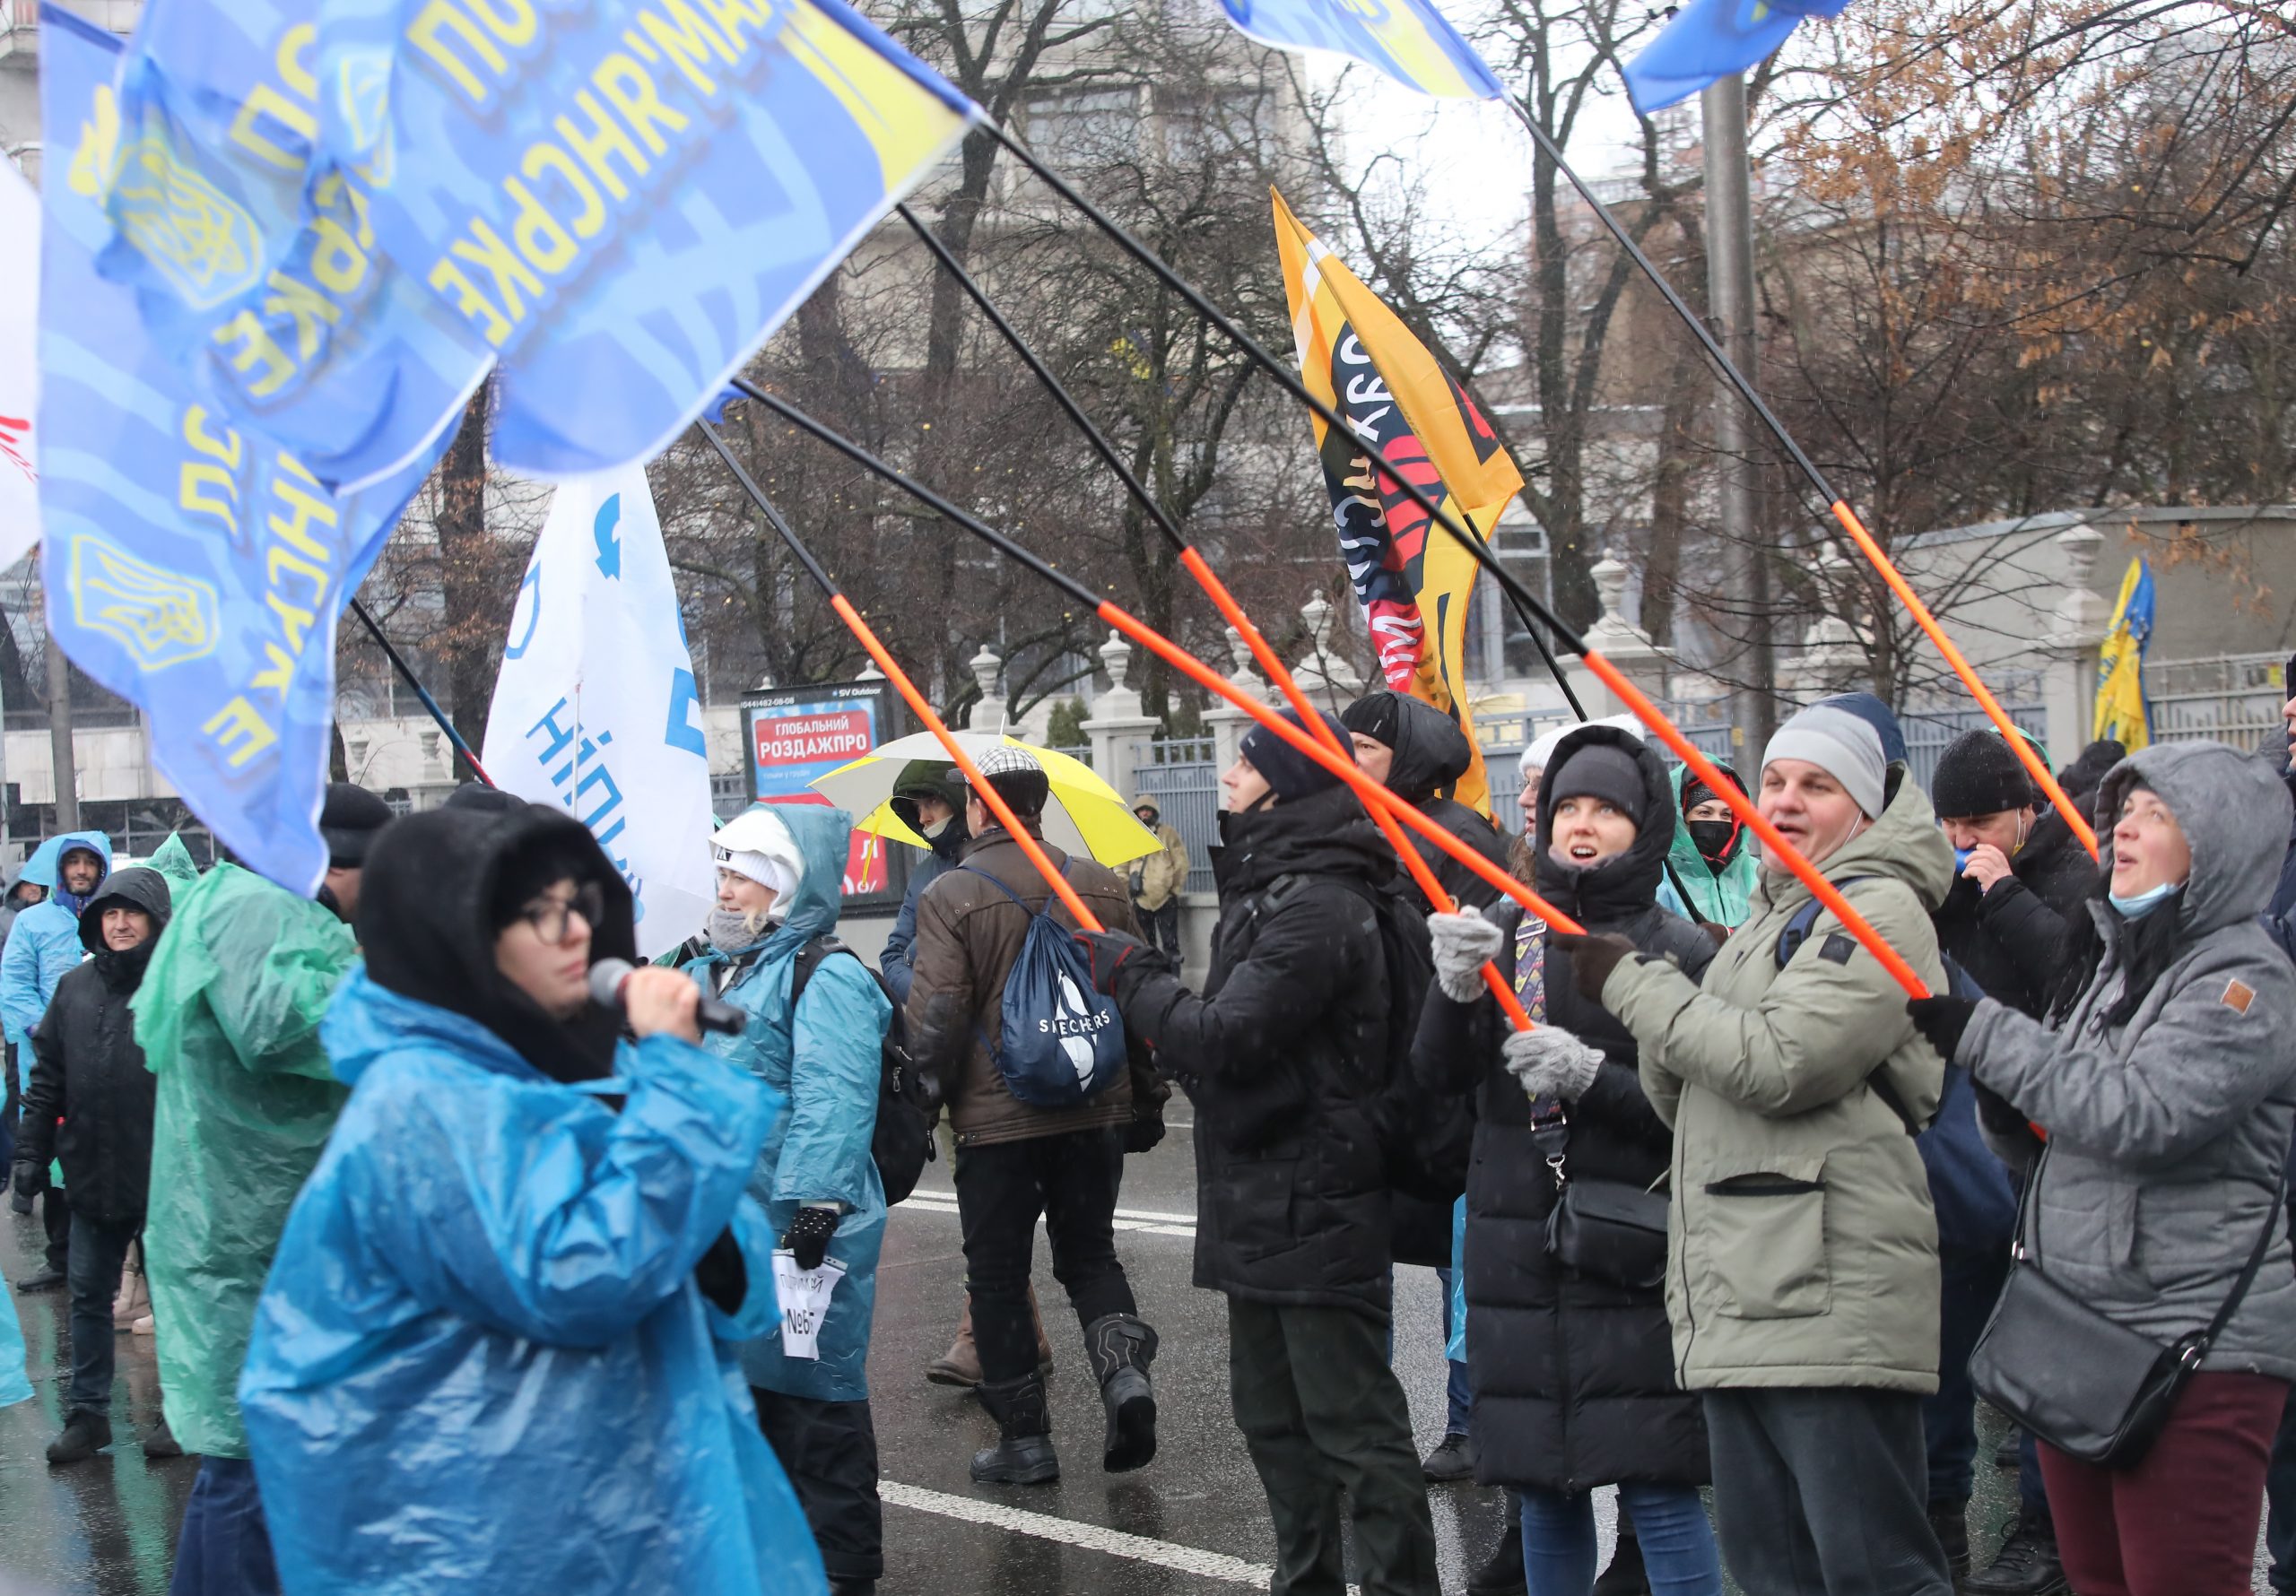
(791, 736)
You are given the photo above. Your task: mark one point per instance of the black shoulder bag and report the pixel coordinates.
(2092, 1389)
(1609, 1229)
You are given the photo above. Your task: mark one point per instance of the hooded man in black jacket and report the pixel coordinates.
(1418, 753)
(1284, 1054)
(87, 1072)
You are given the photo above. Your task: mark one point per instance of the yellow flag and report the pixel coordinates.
(2121, 711)
(1412, 577)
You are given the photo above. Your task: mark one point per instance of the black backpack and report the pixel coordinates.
(908, 1101)
(1425, 1138)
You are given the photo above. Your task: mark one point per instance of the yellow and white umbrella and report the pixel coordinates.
(1084, 814)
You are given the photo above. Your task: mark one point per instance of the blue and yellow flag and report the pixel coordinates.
(341, 214)
(2121, 710)
(1407, 40)
(195, 568)
(1713, 39)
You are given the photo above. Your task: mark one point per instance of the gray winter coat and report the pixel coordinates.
(2168, 1135)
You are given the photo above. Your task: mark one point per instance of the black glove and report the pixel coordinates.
(1942, 1020)
(722, 1274)
(1110, 951)
(1592, 960)
(1146, 1131)
(807, 1238)
(31, 1179)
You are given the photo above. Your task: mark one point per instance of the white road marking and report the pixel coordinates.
(1116, 1543)
(1153, 1221)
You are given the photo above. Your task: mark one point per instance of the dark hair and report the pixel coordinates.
(2150, 945)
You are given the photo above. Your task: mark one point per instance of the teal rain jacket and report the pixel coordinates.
(825, 1058)
(1726, 899)
(45, 941)
(482, 1362)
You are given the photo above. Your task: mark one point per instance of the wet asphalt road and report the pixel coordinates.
(1192, 1522)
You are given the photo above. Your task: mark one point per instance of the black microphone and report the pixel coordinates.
(606, 978)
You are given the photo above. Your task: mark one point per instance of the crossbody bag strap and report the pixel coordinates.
(2249, 1272)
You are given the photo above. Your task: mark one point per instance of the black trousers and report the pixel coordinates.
(1823, 1492)
(97, 1252)
(1160, 928)
(1071, 1180)
(56, 1218)
(1323, 1414)
(828, 1450)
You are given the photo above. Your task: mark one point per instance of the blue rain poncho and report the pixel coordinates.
(825, 1058)
(15, 1377)
(482, 1362)
(45, 940)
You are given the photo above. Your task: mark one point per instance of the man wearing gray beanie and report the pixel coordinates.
(1803, 1281)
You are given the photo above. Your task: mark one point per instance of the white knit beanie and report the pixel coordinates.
(757, 845)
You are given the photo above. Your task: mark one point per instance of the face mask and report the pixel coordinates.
(1711, 838)
(2137, 907)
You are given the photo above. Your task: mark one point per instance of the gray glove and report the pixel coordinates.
(1463, 944)
(1549, 1062)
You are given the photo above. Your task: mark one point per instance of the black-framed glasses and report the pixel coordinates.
(549, 915)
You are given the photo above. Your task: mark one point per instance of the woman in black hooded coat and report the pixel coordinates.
(1573, 1375)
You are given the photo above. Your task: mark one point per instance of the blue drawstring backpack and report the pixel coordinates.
(1063, 1041)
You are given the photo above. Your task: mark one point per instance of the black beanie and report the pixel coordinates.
(1375, 716)
(1601, 770)
(348, 823)
(2080, 778)
(1289, 774)
(1977, 774)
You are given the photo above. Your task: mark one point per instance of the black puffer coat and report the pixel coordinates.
(1573, 1377)
(87, 1069)
(2011, 939)
(1282, 1055)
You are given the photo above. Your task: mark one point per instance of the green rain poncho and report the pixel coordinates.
(1721, 898)
(228, 1017)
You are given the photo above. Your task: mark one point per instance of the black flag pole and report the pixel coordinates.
(1146, 500)
(406, 673)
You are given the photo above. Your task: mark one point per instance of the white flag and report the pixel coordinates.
(594, 711)
(19, 367)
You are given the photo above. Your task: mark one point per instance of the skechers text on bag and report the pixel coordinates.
(1061, 1042)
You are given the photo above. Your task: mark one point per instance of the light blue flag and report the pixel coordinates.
(1713, 39)
(1407, 40)
(618, 202)
(260, 276)
(194, 569)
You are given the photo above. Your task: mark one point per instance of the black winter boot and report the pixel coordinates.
(1503, 1573)
(85, 1434)
(1625, 1577)
(2028, 1565)
(1949, 1521)
(1121, 1347)
(1023, 1453)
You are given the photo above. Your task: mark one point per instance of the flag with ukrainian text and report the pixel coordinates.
(2122, 712)
(194, 568)
(341, 214)
(1408, 39)
(1412, 577)
(594, 711)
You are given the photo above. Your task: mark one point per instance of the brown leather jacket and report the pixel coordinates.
(968, 936)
